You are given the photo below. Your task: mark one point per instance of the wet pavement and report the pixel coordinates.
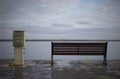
(74, 69)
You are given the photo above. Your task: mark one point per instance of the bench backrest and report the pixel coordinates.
(89, 48)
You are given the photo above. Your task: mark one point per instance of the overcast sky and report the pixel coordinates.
(79, 19)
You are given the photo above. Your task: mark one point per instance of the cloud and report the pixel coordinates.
(62, 26)
(84, 22)
(73, 17)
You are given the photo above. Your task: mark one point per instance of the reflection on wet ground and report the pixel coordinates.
(76, 69)
(87, 69)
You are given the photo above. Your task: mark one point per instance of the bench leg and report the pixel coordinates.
(105, 60)
(51, 60)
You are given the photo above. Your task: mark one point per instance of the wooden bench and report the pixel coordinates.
(79, 48)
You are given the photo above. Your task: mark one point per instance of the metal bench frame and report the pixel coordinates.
(79, 48)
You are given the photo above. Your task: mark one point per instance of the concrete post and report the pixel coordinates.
(18, 43)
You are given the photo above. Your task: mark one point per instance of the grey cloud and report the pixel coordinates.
(94, 31)
(84, 22)
(18, 11)
(43, 30)
(61, 25)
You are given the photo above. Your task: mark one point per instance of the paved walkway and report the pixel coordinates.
(76, 69)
